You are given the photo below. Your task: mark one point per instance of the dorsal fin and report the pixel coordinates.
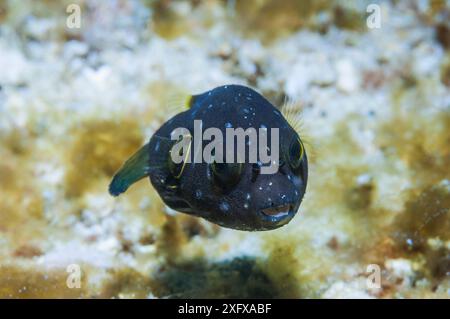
(193, 99)
(180, 102)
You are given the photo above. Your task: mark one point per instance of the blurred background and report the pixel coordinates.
(83, 84)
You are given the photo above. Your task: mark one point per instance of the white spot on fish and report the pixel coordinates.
(260, 188)
(248, 196)
(224, 206)
(157, 146)
(198, 194)
(270, 184)
(210, 106)
(246, 205)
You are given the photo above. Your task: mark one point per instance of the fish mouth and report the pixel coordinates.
(278, 214)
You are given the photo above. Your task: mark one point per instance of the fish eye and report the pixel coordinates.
(176, 169)
(226, 174)
(295, 153)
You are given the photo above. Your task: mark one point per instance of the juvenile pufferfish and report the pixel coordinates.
(232, 195)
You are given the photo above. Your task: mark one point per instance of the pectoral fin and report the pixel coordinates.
(291, 111)
(133, 170)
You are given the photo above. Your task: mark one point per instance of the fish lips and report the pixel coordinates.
(278, 215)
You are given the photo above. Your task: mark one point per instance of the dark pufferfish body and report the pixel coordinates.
(233, 195)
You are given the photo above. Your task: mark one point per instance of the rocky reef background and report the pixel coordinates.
(375, 111)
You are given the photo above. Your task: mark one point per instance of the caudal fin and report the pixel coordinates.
(133, 170)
